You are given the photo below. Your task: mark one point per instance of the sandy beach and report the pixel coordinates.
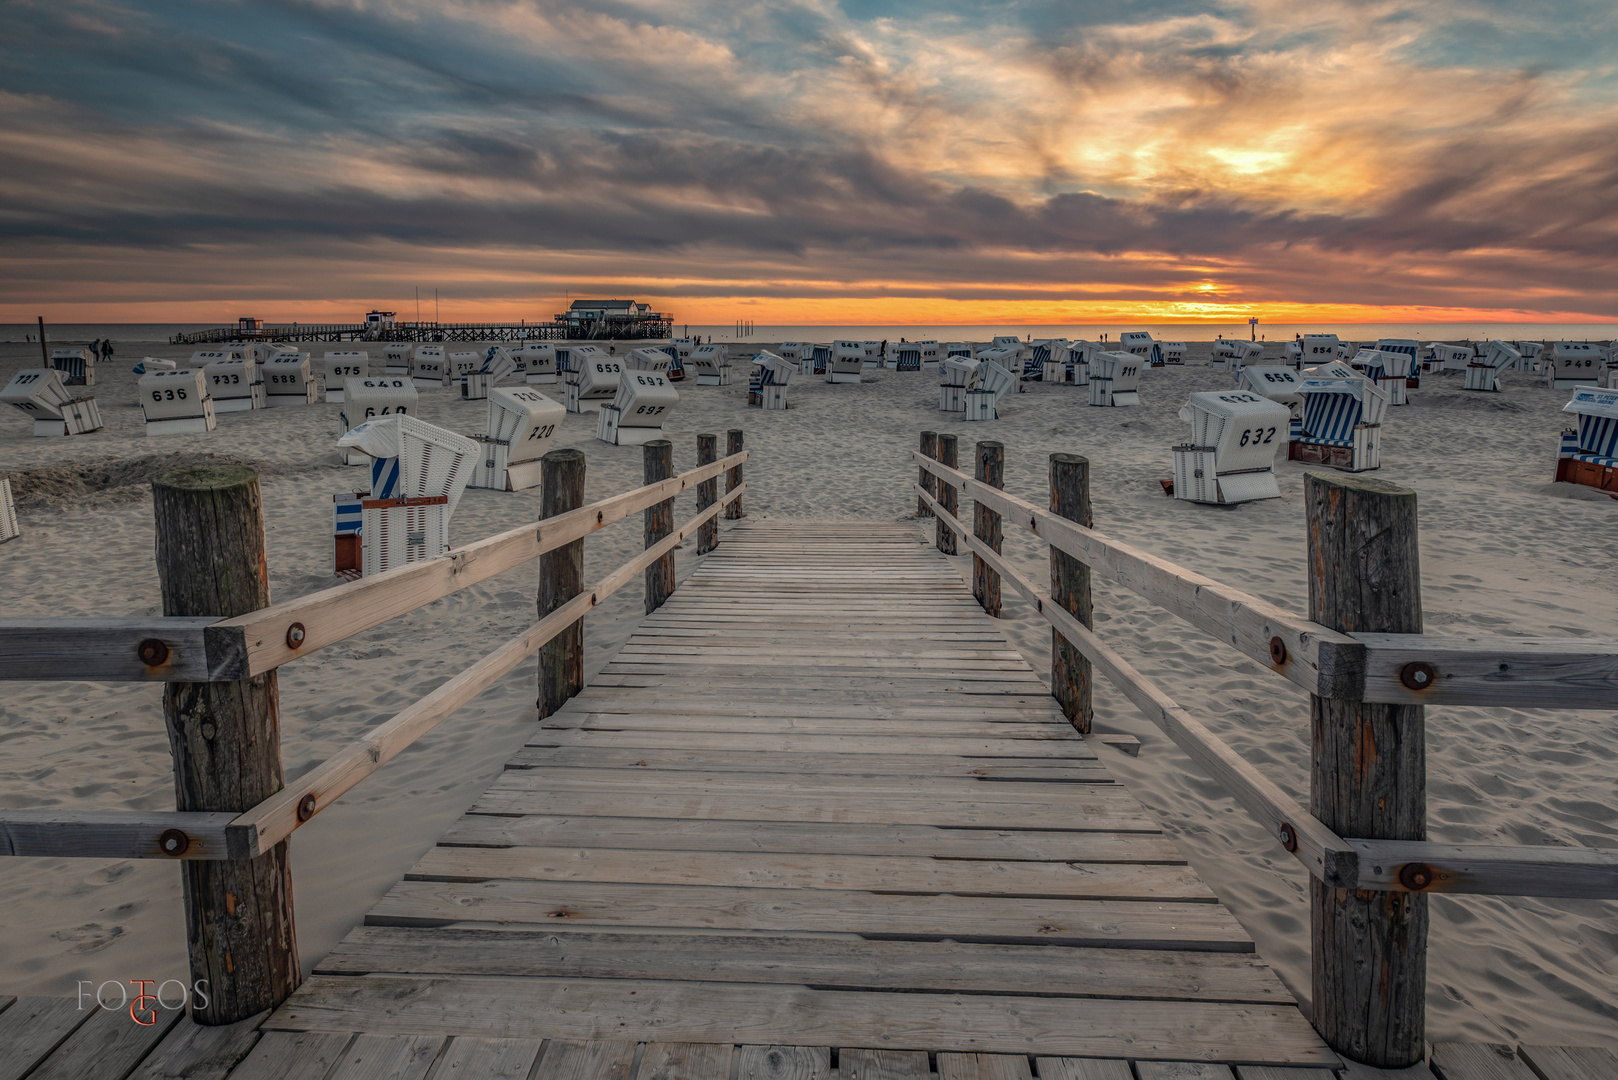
(1500, 969)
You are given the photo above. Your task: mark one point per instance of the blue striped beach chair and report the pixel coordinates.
(1589, 453)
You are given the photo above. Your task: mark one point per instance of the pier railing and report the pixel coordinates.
(1363, 836)
(240, 654)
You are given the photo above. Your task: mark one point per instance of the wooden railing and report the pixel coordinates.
(245, 650)
(1357, 681)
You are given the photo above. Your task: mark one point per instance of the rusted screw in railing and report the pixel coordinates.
(1278, 651)
(1288, 836)
(174, 842)
(1415, 876)
(1417, 675)
(306, 807)
(152, 652)
(295, 636)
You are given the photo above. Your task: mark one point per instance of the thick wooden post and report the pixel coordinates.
(658, 462)
(1070, 588)
(226, 741)
(929, 482)
(707, 494)
(733, 477)
(1369, 776)
(947, 495)
(561, 578)
(991, 470)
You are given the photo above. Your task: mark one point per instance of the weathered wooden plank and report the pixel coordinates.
(120, 834)
(899, 684)
(110, 650)
(1009, 728)
(784, 1063)
(1571, 1062)
(194, 1051)
(595, 1059)
(784, 781)
(388, 1057)
(1085, 1069)
(861, 1064)
(830, 744)
(685, 1061)
(293, 1055)
(1353, 1070)
(1501, 672)
(109, 1043)
(832, 701)
(1490, 869)
(983, 1067)
(919, 766)
(335, 614)
(278, 816)
(1275, 1072)
(1182, 1070)
(759, 870)
(471, 1058)
(34, 1026)
(986, 811)
(1091, 923)
(1479, 1061)
(681, 834)
(706, 1012)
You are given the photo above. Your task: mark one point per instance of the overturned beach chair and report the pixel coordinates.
(418, 472)
(1442, 357)
(1243, 353)
(498, 364)
(1231, 456)
(771, 375)
(1589, 453)
(153, 363)
(635, 416)
(338, 366)
(1530, 352)
(1341, 426)
(235, 384)
(371, 398)
(176, 402)
(1483, 373)
(78, 366)
(522, 425)
(984, 388)
(1115, 379)
(41, 395)
(1574, 364)
(711, 365)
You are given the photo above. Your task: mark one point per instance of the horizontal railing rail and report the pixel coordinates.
(176, 649)
(1395, 669)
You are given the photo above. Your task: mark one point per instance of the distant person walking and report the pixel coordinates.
(95, 347)
(106, 349)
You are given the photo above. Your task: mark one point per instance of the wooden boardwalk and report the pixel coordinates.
(817, 820)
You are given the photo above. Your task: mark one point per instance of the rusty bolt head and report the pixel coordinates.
(152, 652)
(1278, 651)
(306, 807)
(295, 636)
(1288, 836)
(1418, 675)
(174, 842)
(1415, 876)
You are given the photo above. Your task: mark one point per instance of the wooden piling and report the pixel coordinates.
(929, 483)
(1071, 676)
(561, 578)
(658, 464)
(733, 476)
(226, 742)
(947, 495)
(1368, 777)
(707, 494)
(986, 526)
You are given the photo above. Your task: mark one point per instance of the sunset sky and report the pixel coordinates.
(812, 161)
